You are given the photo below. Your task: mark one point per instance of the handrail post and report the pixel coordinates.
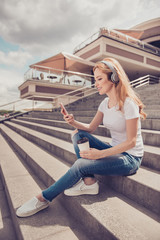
(14, 108)
(32, 104)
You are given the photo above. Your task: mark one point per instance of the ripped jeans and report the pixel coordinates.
(122, 164)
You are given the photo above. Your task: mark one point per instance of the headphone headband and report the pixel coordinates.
(114, 76)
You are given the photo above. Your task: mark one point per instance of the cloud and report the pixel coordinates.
(9, 81)
(136, 12)
(15, 58)
(38, 24)
(47, 27)
(44, 28)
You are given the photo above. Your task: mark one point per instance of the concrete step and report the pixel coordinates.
(151, 101)
(148, 102)
(152, 106)
(86, 115)
(149, 89)
(151, 124)
(48, 115)
(65, 151)
(153, 113)
(149, 94)
(59, 118)
(83, 105)
(151, 157)
(53, 223)
(150, 137)
(6, 227)
(83, 113)
(106, 216)
(48, 122)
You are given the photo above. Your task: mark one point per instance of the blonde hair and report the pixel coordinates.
(123, 87)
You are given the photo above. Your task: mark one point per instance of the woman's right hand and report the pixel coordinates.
(69, 118)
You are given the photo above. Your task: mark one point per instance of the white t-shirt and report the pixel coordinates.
(115, 121)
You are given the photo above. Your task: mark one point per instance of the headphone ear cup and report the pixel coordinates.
(114, 78)
(114, 75)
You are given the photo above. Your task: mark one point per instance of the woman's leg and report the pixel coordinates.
(69, 179)
(120, 164)
(72, 176)
(94, 143)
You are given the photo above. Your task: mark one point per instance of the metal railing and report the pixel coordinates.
(66, 98)
(54, 75)
(121, 37)
(145, 80)
(33, 105)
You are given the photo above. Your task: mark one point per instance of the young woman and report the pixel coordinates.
(120, 112)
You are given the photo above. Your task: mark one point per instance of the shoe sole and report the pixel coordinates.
(87, 192)
(32, 212)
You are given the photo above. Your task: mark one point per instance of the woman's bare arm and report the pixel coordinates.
(69, 118)
(131, 129)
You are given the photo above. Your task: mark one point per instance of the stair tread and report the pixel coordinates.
(121, 216)
(147, 148)
(19, 182)
(151, 131)
(56, 141)
(41, 125)
(49, 120)
(147, 124)
(6, 226)
(144, 176)
(37, 152)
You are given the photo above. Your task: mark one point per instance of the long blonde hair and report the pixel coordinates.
(123, 87)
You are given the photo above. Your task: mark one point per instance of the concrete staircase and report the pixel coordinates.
(36, 150)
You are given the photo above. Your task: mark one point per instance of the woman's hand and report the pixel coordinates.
(92, 154)
(69, 118)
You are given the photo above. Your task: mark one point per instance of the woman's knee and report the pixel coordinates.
(74, 132)
(77, 134)
(79, 164)
(80, 133)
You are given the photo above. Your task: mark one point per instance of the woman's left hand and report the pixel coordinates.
(92, 154)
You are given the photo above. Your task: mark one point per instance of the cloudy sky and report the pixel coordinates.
(31, 30)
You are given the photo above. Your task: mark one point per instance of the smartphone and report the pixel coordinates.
(64, 111)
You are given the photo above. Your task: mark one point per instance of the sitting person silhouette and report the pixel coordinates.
(120, 112)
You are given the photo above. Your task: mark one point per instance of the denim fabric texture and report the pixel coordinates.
(123, 164)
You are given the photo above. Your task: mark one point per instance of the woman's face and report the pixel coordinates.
(102, 83)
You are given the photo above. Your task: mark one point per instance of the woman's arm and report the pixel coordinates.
(82, 126)
(131, 129)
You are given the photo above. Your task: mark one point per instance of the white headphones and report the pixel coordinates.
(114, 76)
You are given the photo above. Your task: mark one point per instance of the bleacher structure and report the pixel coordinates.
(36, 149)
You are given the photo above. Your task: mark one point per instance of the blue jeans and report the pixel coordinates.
(117, 165)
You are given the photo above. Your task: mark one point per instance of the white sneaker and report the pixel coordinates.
(31, 207)
(81, 188)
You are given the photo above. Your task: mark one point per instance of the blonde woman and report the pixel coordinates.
(120, 112)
